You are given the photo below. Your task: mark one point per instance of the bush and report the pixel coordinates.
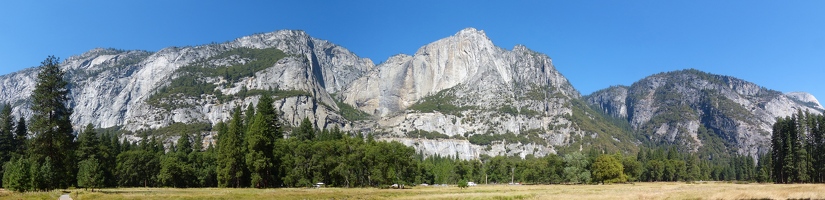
(463, 184)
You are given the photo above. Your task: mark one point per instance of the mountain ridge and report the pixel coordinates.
(466, 96)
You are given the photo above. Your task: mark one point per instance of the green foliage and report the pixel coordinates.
(191, 81)
(608, 134)
(506, 109)
(260, 139)
(137, 168)
(427, 135)
(88, 144)
(7, 140)
(576, 168)
(176, 171)
(608, 169)
(16, 176)
(797, 148)
(526, 137)
(20, 134)
(90, 173)
(443, 101)
(351, 113)
(717, 103)
(463, 184)
(305, 130)
(43, 175)
(230, 167)
(51, 125)
(632, 168)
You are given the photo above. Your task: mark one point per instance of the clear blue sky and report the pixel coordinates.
(595, 44)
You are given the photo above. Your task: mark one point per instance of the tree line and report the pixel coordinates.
(254, 150)
(798, 149)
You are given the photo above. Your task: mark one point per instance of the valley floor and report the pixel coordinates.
(617, 191)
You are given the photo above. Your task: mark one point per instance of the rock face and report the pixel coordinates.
(459, 96)
(110, 87)
(476, 88)
(469, 59)
(671, 107)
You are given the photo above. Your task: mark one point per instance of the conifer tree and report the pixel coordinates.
(305, 130)
(7, 140)
(20, 133)
(230, 169)
(51, 126)
(260, 139)
(90, 174)
(88, 144)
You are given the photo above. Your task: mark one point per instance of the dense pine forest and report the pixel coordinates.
(798, 149)
(254, 150)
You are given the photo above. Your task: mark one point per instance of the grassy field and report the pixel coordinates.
(619, 191)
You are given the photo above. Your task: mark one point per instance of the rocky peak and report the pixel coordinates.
(673, 107)
(805, 98)
(467, 58)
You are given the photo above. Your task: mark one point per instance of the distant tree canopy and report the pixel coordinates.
(608, 169)
(798, 150)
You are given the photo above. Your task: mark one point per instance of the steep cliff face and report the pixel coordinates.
(467, 58)
(672, 108)
(111, 87)
(464, 87)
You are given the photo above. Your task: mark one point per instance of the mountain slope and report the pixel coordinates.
(111, 87)
(460, 96)
(672, 108)
(464, 87)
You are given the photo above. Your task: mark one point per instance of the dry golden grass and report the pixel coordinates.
(618, 191)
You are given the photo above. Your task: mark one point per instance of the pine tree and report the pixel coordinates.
(6, 133)
(778, 150)
(305, 130)
(230, 169)
(184, 146)
(16, 176)
(20, 134)
(7, 140)
(260, 139)
(249, 115)
(51, 126)
(90, 174)
(88, 144)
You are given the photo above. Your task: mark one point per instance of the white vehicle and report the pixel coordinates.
(471, 184)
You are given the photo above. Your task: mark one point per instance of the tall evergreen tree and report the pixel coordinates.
(51, 126)
(305, 130)
(88, 144)
(6, 133)
(260, 139)
(230, 169)
(184, 145)
(20, 133)
(249, 117)
(90, 174)
(7, 139)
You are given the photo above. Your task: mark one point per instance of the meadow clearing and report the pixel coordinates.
(669, 190)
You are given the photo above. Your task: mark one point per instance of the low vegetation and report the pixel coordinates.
(427, 134)
(351, 113)
(660, 190)
(443, 101)
(199, 78)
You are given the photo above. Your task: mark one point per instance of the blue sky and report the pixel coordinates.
(595, 44)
